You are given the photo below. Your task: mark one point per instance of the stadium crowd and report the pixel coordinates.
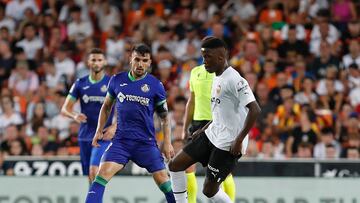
(301, 58)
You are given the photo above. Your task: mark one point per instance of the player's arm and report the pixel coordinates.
(162, 111)
(67, 108)
(104, 114)
(189, 115)
(246, 98)
(254, 112)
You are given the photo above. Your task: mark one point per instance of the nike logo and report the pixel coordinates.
(92, 192)
(123, 84)
(86, 87)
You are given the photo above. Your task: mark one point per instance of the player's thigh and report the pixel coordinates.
(85, 154)
(221, 164)
(108, 169)
(148, 156)
(160, 177)
(199, 149)
(117, 152)
(97, 153)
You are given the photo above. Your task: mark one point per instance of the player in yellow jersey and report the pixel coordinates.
(197, 115)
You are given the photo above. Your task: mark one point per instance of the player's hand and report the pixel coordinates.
(80, 118)
(236, 147)
(98, 136)
(168, 150)
(109, 132)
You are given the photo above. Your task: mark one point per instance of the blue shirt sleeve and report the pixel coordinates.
(160, 95)
(111, 90)
(74, 91)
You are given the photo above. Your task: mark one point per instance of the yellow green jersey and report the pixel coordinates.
(200, 85)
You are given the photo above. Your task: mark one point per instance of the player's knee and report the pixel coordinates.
(209, 191)
(92, 173)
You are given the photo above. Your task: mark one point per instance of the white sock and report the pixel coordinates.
(178, 181)
(220, 197)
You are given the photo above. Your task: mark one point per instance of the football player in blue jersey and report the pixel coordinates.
(91, 90)
(136, 95)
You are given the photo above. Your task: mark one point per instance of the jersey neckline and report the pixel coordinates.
(133, 79)
(92, 81)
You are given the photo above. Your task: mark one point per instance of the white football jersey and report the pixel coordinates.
(229, 96)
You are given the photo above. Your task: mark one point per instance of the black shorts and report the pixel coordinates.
(219, 162)
(195, 125)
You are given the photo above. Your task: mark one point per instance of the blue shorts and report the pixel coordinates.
(145, 155)
(91, 156)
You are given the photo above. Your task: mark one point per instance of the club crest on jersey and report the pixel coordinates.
(145, 88)
(103, 88)
(218, 89)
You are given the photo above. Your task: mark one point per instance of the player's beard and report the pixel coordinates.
(97, 70)
(139, 72)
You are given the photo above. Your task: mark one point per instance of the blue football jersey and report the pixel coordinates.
(136, 101)
(91, 95)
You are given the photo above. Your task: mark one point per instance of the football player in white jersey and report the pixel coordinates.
(223, 141)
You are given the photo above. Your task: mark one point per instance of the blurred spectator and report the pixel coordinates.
(165, 74)
(323, 30)
(330, 90)
(31, 43)
(7, 61)
(304, 132)
(290, 48)
(38, 119)
(322, 62)
(330, 152)
(203, 10)
(304, 150)
(65, 12)
(354, 54)
(78, 28)
(22, 81)
(271, 14)
(45, 140)
(37, 150)
(115, 47)
(244, 10)
(53, 78)
(6, 21)
(327, 138)
(59, 122)
(16, 8)
(343, 11)
(17, 148)
(353, 153)
(307, 95)
(64, 64)
(352, 31)
(267, 106)
(294, 22)
(250, 59)
(9, 134)
(108, 16)
(9, 116)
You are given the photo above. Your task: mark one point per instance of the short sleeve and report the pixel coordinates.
(74, 91)
(160, 94)
(111, 90)
(242, 91)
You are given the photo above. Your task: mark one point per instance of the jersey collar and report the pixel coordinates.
(132, 78)
(92, 81)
